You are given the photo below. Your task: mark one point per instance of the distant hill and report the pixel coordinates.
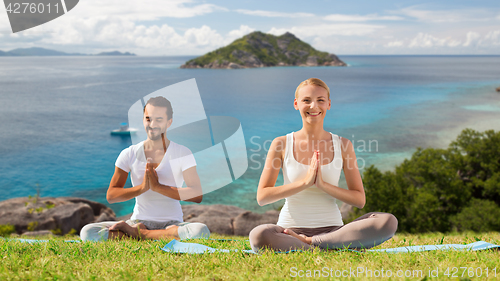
(259, 49)
(35, 51)
(115, 53)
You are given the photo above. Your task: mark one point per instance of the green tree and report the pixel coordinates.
(439, 189)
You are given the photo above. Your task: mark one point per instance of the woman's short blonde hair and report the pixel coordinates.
(315, 82)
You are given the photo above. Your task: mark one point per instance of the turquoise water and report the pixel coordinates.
(56, 113)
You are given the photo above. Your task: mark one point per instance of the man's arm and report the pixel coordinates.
(116, 192)
(192, 192)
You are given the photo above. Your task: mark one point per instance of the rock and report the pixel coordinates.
(245, 222)
(48, 213)
(233, 65)
(218, 218)
(37, 233)
(498, 89)
(101, 211)
(312, 61)
(227, 220)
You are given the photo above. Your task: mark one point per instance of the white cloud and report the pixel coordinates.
(424, 40)
(238, 33)
(446, 15)
(472, 39)
(126, 35)
(371, 17)
(328, 30)
(395, 44)
(141, 10)
(271, 14)
(491, 39)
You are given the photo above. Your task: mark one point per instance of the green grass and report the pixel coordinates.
(143, 260)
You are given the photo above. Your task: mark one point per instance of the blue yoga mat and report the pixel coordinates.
(476, 246)
(33, 241)
(175, 246)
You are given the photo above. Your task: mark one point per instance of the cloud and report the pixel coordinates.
(328, 30)
(97, 34)
(472, 39)
(491, 39)
(351, 18)
(446, 15)
(238, 33)
(395, 44)
(424, 40)
(428, 41)
(271, 14)
(144, 11)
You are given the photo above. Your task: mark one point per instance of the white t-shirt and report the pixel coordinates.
(150, 205)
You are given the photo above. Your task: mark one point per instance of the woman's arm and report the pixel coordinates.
(355, 194)
(267, 193)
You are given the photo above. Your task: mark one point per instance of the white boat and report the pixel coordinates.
(124, 130)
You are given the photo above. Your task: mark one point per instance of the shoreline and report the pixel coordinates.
(432, 125)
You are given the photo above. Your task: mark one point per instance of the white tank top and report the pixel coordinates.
(311, 207)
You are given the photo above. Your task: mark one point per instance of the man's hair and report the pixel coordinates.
(162, 102)
(315, 82)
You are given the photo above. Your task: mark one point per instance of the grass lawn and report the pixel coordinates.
(143, 260)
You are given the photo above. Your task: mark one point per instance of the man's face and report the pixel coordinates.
(155, 121)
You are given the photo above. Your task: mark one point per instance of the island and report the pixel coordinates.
(259, 49)
(36, 51)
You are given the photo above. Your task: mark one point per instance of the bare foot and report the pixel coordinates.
(119, 226)
(301, 237)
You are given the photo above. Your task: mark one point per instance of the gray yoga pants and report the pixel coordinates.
(187, 230)
(364, 232)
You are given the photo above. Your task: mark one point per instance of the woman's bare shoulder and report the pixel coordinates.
(345, 141)
(279, 144)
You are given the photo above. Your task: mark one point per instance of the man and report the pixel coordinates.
(158, 169)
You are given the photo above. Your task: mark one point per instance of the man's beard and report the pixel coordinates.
(154, 136)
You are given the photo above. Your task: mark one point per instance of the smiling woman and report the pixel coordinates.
(312, 160)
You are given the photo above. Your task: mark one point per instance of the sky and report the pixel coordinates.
(192, 27)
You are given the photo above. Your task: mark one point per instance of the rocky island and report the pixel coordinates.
(259, 49)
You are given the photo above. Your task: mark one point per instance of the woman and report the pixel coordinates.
(312, 159)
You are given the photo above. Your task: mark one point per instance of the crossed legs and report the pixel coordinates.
(365, 232)
(139, 231)
(102, 231)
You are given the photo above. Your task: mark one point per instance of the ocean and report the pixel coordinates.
(56, 113)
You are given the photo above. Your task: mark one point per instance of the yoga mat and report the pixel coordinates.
(175, 246)
(32, 241)
(476, 246)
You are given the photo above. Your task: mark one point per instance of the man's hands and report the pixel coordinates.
(314, 173)
(150, 181)
(145, 183)
(152, 176)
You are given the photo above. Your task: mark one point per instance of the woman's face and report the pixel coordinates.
(312, 102)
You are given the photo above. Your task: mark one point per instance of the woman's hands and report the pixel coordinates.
(314, 176)
(312, 172)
